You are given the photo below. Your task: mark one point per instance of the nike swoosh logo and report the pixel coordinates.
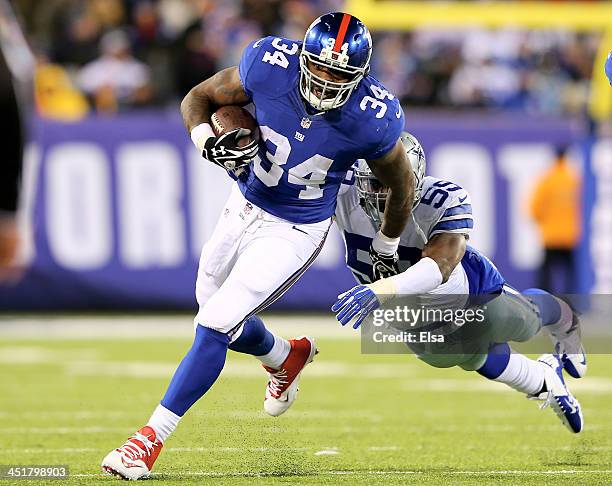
(398, 113)
(461, 199)
(256, 45)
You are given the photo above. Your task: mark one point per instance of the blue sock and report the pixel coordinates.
(197, 372)
(255, 338)
(550, 309)
(513, 369)
(497, 361)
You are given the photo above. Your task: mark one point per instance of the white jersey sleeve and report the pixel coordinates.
(444, 207)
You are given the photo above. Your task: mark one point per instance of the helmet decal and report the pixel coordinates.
(339, 41)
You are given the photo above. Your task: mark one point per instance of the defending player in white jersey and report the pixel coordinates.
(318, 110)
(434, 258)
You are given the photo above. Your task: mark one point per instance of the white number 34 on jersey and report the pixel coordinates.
(377, 103)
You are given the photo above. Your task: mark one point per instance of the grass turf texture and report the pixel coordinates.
(359, 419)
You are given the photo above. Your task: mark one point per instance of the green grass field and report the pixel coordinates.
(359, 419)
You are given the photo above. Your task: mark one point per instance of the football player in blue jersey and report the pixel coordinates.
(318, 111)
(437, 263)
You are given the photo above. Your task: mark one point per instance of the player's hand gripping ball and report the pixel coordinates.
(237, 138)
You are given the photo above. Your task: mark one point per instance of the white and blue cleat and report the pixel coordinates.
(568, 345)
(558, 396)
(575, 364)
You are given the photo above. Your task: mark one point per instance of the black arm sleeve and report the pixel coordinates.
(12, 141)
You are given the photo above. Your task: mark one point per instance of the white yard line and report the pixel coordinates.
(240, 450)
(63, 430)
(246, 369)
(85, 362)
(368, 473)
(421, 429)
(172, 326)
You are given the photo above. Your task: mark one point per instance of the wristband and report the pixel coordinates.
(384, 245)
(200, 134)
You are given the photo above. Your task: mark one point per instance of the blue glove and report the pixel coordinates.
(609, 67)
(357, 302)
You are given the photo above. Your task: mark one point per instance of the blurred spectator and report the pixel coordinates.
(116, 79)
(75, 34)
(555, 207)
(193, 61)
(147, 30)
(56, 97)
(185, 41)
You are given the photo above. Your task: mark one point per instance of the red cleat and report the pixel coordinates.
(134, 459)
(283, 384)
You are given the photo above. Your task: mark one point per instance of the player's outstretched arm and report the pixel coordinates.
(447, 250)
(441, 255)
(393, 171)
(224, 88)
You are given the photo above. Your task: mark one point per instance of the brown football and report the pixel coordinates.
(228, 118)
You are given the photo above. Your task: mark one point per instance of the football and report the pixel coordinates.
(228, 118)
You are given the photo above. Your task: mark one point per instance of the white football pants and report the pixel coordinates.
(250, 261)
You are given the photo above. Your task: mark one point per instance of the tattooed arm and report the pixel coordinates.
(224, 88)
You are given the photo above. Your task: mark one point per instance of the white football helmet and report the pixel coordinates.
(373, 195)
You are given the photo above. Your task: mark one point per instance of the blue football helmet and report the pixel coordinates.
(609, 67)
(341, 43)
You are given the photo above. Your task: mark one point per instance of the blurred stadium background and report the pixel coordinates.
(117, 204)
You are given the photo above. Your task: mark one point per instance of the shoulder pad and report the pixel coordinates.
(451, 207)
(270, 66)
(379, 118)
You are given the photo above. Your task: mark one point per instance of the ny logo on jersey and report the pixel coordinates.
(299, 136)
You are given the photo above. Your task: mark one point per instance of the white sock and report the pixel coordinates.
(277, 355)
(523, 374)
(163, 422)
(564, 322)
